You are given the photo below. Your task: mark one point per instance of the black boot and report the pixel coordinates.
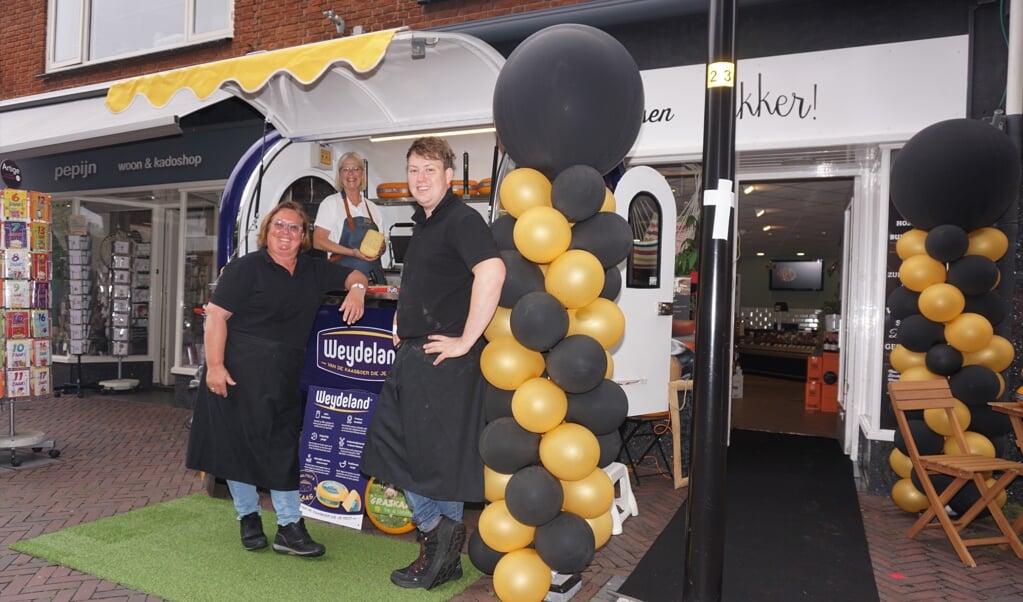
(294, 539)
(253, 537)
(439, 558)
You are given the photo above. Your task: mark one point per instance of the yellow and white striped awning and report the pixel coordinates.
(346, 88)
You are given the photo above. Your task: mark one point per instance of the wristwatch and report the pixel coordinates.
(358, 285)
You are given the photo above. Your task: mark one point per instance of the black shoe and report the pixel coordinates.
(439, 558)
(252, 532)
(294, 539)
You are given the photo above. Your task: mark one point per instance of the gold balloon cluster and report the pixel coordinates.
(568, 451)
(967, 332)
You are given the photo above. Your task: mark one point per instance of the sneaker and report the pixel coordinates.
(295, 540)
(253, 537)
(439, 558)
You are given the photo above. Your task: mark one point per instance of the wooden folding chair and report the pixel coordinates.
(685, 386)
(966, 468)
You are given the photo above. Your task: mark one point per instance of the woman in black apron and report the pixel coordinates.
(344, 218)
(247, 420)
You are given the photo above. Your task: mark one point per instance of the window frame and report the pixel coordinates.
(84, 31)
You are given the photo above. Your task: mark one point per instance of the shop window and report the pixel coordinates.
(200, 265)
(80, 32)
(644, 262)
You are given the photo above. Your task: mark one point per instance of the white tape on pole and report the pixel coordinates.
(724, 199)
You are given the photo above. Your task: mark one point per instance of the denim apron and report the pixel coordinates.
(352, 233)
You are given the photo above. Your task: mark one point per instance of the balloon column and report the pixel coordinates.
(553, 414)
(951, 182)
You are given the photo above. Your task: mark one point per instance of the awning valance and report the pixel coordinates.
(377, 83)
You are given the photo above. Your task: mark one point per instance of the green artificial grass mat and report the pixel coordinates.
(189, 549)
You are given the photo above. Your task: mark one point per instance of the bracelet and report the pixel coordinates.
(357, 285)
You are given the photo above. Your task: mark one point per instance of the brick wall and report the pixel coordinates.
(259, 25)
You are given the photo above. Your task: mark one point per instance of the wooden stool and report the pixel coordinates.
(624, 504)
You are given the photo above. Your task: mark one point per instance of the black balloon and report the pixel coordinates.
(506, 447)
(963, 172)
(521, 276)
(612, 284)
(987, 422)
(496, 403)
(927, 441)
(606, 235)
(917, 333)
(943, 359)
(610, 447)
(502, 229)
(577, 364)
(973, 274)
(601, 409)
(991, 305)
(578, 192)
(566, 543)
(539, 321)
(568, 94)
(483, 557)
(946, 242)
(974, 385)
(533, 496)
(903, 303)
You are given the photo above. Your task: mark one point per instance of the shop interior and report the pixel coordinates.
(788, 277)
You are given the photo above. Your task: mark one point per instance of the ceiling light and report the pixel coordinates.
(800, 253)
(760, 253)
(410, 136)
(766, 228)
(749, 188)
(759, 212)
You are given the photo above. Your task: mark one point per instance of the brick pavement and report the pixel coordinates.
(125, 451)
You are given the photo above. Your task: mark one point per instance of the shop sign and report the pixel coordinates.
(363, 354)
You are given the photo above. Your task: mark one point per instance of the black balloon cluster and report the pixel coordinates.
(951, 182)
(568, 104)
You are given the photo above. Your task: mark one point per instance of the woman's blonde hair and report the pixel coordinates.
(264, 227)
(337, 172)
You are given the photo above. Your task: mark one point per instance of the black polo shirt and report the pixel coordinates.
(436, 280)
(266, 301)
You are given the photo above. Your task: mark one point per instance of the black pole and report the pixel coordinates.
(705, 518)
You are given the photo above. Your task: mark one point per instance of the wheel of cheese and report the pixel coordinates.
(458, 187)
(484, 187)
(331, 493)
(387, 509)
(393, 190)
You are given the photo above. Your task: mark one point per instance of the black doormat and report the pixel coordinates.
(793, 528)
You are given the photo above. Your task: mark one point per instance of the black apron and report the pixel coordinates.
(252, 435)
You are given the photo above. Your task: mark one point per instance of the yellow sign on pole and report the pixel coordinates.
(721, 75)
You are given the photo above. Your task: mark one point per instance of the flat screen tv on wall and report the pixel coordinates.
(797, 275)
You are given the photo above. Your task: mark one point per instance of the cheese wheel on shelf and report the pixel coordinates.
(458, 187)
(484, 187)
(393, 190)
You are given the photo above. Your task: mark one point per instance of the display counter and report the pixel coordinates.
(776, 354)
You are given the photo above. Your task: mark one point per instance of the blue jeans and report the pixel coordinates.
(246, 501)
(426, 512)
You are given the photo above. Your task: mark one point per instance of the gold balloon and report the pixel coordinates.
(601, 527)
(569, 451)
(610, 365)
(920, 271)
(1002, 497)
(903, 359)
(501, 531)
(941, 302)
(500, 324)
(1001, 384)
(988, 242)
(522, 576)
(900, 463)
(523, 189)
(494, 484)
(575, 278)
(506, 364)
(601, 319)
(542, 234)
(907, 497)
(938, 420)
(978, 444)
(609, 201)
(969, 332)
(911, 243)
(590, 496)
(917, 373)
(539, 405)
(997, 355)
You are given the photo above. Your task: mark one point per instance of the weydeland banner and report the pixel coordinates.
(344, 371)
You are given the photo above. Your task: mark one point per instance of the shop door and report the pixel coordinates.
(641, 359)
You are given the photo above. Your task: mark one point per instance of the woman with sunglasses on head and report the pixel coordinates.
(344, 218)
(248, 416)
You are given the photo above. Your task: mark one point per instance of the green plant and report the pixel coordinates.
(832, 306)
(687, 225)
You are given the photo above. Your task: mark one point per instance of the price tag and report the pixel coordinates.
(721, 75)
